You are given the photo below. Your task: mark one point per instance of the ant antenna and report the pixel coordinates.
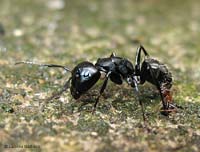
(47, 65)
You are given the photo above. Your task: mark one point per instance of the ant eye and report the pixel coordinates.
(87, 74)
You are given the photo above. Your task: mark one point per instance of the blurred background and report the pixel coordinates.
(67, 32)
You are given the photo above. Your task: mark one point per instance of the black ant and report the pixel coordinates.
(117, 69)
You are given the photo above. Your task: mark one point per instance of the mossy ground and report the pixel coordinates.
(67, 32)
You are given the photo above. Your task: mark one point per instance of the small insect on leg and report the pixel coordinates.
(164, 97)
(169, 101)
(101, 91)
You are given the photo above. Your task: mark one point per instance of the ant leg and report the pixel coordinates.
(165, 98)
(168, 99)
(138, 57)
(148, 129)
(138, 73)
(101, 91)
(112, 55)
(57, 94)
(138, 98)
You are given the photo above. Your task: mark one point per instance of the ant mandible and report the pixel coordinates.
(117, 69)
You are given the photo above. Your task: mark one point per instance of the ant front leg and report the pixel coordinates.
(135, 85)
(101, 91)
(64, 88)
(57, 94)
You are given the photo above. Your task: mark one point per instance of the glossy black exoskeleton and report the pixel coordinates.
(150, 70)
(117, 69)
(84, 76)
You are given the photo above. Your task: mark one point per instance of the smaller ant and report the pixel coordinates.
(117, 69)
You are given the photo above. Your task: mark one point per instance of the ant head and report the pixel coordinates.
(84, 76)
